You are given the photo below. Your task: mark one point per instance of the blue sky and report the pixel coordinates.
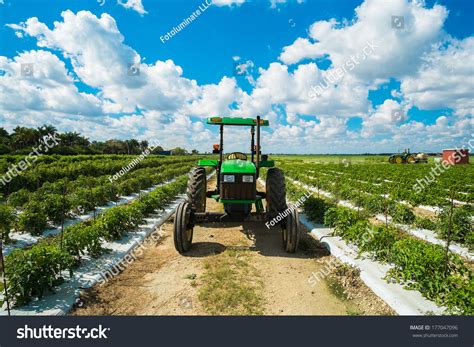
(394, 99)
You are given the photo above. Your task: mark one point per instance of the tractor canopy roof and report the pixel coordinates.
(236, 121)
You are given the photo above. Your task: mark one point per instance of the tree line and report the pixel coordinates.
(22, 140)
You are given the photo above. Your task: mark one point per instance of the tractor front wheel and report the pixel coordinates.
(196, 190)
(183, 227)
(290, 232)
(276, 193)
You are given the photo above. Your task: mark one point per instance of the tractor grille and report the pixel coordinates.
(237, 190)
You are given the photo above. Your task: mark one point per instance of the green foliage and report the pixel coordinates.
(293, 192)
(380, 241)
(33, 219)
(397, 181)
(48, 173)
(373, 203)
(341, 218)
(7, 218)
(316, 208)
(55, 200)
(425, 223)
(32, 271)
(417, 264)
(57, 207)
(421, 266)
(81, 239)
(114, 223)
(22, 139)
(19, 198)
(401, 213)
(461, 226)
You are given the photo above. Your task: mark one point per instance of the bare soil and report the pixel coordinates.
(231, 269)
(424, 213)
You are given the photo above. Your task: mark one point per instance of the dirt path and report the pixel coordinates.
(232, 268)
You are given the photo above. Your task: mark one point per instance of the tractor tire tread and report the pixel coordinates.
(196, 189)
(275, 192)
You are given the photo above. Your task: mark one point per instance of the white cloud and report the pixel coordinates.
(399, 50)
(445, 79)
(384, 119)
(275, 3)
(276, 85)
(228, 2)
(159, 102)
(301, 49)
(38, 81)
(101, 60)
(214, 100)
(135, 5)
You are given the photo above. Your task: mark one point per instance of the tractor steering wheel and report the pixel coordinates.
(237, 155)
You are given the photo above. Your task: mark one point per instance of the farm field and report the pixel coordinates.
(381, 198)
(71, 208)
(77, 191)
(310, 158)
(237, 173)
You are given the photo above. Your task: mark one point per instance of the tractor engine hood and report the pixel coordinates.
(238, 166)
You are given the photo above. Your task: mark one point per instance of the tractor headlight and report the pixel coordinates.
(229, 178)
(247, 179)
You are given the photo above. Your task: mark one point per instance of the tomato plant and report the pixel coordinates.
(460, 223)
(32, 271)
(33, 219)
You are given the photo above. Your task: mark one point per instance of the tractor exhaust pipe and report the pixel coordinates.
(257, 164)
(221, 152)
(252, 143)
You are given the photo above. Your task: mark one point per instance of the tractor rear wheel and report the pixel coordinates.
(183, 227)
(411, 159)
(290, 232)
(196, 191)
(276, 193)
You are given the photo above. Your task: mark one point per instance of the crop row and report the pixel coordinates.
(32, 271)
(432, 194)
(35, 176)
(399, 182)
(60, 200)
(443, 278)
(461, 222)
(58, 158)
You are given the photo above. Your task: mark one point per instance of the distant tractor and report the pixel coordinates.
(408, 158)
(236, 189)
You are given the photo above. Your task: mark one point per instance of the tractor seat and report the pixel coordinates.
(236, 155)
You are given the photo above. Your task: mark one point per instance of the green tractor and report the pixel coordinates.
(237, 190)
(408, 158)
